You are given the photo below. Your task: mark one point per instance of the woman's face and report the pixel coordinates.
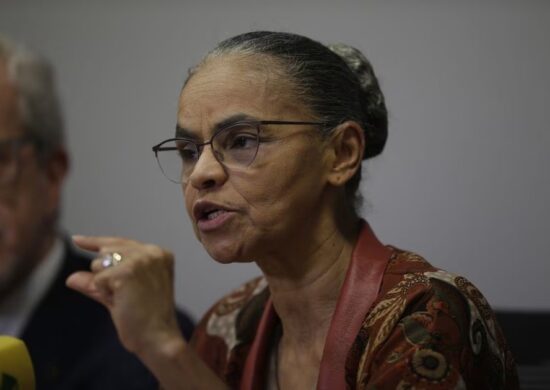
(243, 214)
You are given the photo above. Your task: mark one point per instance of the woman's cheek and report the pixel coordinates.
(188, 199)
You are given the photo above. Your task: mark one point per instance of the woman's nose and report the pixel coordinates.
(208, 172)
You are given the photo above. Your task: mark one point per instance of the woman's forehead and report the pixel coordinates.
(237, 77)
(223, 87)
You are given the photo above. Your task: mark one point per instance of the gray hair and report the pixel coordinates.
(39, 107)
(336, 82)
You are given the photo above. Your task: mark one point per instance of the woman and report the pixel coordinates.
(272, 129)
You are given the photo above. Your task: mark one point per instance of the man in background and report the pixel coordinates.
(71, 339)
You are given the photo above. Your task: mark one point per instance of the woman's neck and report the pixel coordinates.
(305, 284)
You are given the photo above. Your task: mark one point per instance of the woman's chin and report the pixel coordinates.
(226, 254)
(225, 258)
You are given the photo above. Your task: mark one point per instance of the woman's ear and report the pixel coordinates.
(347, 145)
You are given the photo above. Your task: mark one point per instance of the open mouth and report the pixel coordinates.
(212, 218)
(212, 214)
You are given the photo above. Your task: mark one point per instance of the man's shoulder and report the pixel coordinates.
(67, 319)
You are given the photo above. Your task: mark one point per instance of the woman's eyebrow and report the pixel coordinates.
(182, 132)
(236, 118)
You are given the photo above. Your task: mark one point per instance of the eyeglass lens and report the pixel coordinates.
(234, 146)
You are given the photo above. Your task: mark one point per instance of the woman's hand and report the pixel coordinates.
(138, 291)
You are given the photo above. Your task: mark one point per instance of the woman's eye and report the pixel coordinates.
(188, 153)
(242, 140)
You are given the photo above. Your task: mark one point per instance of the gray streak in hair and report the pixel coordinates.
(33, 78)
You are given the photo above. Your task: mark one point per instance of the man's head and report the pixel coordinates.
(33, 162)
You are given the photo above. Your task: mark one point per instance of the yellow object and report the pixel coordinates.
(16, 371)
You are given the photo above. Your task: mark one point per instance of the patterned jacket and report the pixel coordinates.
(427, 329)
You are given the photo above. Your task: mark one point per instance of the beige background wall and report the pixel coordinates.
(464, 179)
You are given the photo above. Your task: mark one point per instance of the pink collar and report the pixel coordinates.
(359, 291)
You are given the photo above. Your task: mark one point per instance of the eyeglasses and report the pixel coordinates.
(9, 157)
(234, 146)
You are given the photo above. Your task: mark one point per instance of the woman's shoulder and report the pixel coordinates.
(230, 324)
(412, 285)
(239, 297)
(409, 276)
(249, 298)
(425, 314)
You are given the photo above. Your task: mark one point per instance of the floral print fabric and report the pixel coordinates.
(428, 329)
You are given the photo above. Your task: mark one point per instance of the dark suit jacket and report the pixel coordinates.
(73, 343)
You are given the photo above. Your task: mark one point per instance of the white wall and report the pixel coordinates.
(464, 179)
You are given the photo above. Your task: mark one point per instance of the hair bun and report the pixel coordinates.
(375, 114)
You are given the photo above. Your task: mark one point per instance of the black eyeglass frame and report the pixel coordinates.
(200, 146)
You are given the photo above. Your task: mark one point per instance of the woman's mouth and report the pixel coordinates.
(210, 216)
(213, 214)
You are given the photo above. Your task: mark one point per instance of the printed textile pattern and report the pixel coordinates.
(428, 329)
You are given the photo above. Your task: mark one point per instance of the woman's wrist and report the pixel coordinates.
(165, 358)
(177, 367)
(165, 346)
